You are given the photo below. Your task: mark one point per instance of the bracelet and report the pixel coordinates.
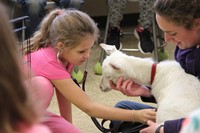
(158, 129)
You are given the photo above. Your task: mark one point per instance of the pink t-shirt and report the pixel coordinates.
(37, 128)
(44, 63)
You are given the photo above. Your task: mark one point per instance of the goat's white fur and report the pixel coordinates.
(177, 93)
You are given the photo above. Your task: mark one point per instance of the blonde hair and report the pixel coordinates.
(68, 26)
(15, 105)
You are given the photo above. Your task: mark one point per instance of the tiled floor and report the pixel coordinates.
(82, 120)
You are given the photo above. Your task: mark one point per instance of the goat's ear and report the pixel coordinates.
(108, 48)
(114, 66)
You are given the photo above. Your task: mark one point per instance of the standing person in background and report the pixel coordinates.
(143, 30)
(64, 40)
(35, 9)
(116, 9)
(17, 111)
(180, 22)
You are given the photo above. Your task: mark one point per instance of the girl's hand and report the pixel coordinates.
(152, 128)
(130, 88)
(144, 115)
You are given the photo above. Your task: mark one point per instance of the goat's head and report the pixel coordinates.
(111, 68)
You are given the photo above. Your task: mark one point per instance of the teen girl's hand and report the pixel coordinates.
(144, 115)
(152, 128)
(130, 88)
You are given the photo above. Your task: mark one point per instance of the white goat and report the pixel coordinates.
(177, 93)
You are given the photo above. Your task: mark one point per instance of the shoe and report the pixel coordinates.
(114, 37)
(145, 44)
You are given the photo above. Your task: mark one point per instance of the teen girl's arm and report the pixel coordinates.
(78, 97)
(130, 88)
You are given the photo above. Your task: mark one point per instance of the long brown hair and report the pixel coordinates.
(15, 106)
(180, 12)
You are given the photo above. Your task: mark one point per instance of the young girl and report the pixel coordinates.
(17, 113)
(65, 39)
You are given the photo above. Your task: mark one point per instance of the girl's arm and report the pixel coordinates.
(64, 106)
(78, 97)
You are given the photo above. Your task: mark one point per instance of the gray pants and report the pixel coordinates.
(116, 9)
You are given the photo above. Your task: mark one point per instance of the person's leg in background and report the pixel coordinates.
(35, 11)
(146, 15)
(115, 10)
(77, 4)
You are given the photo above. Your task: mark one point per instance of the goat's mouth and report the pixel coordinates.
(106, 89)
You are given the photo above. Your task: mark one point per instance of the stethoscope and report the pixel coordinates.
(95, 121)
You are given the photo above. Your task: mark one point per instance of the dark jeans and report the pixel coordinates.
(71, 4)
(130, 105)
